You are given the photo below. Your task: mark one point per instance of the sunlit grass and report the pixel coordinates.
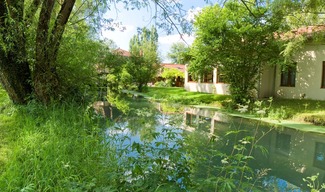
(52, 148)
(180, 95)
(301, 110)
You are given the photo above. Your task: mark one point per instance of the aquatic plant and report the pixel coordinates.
(314, 184)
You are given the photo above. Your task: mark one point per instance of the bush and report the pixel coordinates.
(76, 67)
(317, 119)
(166, 83)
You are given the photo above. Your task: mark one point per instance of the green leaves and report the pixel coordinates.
(144, 61)
(237, 38)
(179, 53)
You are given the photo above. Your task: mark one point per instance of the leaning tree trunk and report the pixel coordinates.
(46, 81)
(15, 74)
(15, 78)
(45, 84)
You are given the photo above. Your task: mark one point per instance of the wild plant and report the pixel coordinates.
(154, 160)
(314, 184)
(259, 107)
(56, 148)
(220, 165)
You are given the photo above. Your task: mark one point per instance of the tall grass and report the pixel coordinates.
(53, 148)
(65, 147)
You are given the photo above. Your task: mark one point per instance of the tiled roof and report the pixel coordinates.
(173, 66)
(122, 52)
(307, 30)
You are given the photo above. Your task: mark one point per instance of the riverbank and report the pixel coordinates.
(301, 114)
(66, 147)
(51, 148)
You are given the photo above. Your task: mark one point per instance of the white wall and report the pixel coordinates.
(265, 85)
(215, 88)
(308, 76)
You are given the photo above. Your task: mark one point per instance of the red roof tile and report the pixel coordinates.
(307, 30)
(122, 52)
(173, 66)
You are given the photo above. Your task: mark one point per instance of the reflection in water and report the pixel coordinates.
(290, 155)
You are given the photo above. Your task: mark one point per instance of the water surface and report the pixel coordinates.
(283, 157)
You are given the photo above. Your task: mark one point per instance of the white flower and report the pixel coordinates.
(224, 161)
(261, 112)
(242, 108)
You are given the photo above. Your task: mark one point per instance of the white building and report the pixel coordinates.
(304, 80)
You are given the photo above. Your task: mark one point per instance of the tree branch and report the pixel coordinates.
(87, 16)
(59, 26)
(250, 11)
(170, 20)
(42, 32)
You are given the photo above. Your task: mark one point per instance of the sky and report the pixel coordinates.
(131, 20)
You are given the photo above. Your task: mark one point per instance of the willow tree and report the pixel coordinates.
(31, 32)
(18, 76)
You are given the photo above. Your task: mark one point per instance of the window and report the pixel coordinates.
(288, 76)
(283, 143)
(204, 123)
(319, 157)
(190, 78)
(323, 75)
(191, 120)
(207, 78)
(220, 76)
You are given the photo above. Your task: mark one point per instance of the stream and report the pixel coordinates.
(280, 158)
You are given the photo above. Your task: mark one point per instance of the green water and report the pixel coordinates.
(221, 150)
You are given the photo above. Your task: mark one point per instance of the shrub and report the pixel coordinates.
(317, 119)
(166, 83)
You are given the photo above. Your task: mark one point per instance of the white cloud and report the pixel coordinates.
(170, 39)
(165, 42)
(121, 37)
(191, 13)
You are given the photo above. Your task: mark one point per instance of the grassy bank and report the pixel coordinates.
(53, 148)
(66, 147)
(300, 110)
(180, 95)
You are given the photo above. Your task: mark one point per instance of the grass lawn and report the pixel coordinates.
(301, 110)
(180, 95)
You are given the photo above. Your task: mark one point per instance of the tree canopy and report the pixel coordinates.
(179, 53)
(144, 61)
(31, 33)
(239, 40)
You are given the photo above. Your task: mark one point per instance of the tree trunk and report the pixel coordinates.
(15, 77)
(15, 74)
(46, 81)
(43, 80)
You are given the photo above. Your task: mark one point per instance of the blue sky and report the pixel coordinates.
(131, 20)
